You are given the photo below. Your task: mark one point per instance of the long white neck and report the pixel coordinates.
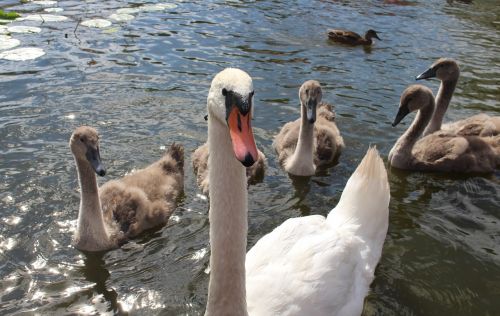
(228, 225)
(443, 99)
(302, 161)
(400, 155)
(91, 232)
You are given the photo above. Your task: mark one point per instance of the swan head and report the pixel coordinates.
(445, 69)
(84, 144)
(310, 95)
(371, 34)
(230, 102)
(413, 99)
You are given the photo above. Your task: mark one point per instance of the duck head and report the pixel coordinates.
(84, 144)
(372, 34)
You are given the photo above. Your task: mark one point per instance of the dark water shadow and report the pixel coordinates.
(95, 271)
(302, 186)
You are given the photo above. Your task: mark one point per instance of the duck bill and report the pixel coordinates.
(403, 111)
(94, 157)
(429, 73)
(240, 129)
(376, 36)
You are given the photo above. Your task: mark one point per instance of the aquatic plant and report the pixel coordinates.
(9, 15)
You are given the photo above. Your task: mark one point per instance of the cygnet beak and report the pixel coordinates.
(94, 158)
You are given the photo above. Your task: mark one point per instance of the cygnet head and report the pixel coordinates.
(444, 69)
(84, 144)
(310, 95)
(230, 102)
(413, 99)
(372, 34)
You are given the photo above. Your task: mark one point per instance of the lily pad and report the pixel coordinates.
(3, 22)
(147, 7)
(121, 17)
(127, 10)
(53, 10)
(20, 54)
(45, 2)
(111, 30)
(8, 15)
(3, 29)
(158, 7)
(44, 18)
(7, 42)
(23, 29)
(99, 23)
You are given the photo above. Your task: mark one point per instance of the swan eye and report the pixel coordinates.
(224, 91)
(82, 140)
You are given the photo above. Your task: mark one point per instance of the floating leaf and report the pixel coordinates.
(7, 42)
(53, 10)
(147, 7)
(8, 15)
(111, 30)
(20, 54)
(99, 23)
(3, 30)
(45, 2)
(120, 17)
(2, 21)
(44, 18)
(127, 10)
(158, 7)
(23, 29)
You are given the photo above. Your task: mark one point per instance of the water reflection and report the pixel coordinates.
(94, 270)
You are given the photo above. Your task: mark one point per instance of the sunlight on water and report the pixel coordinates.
(12, 220)
(200, 254)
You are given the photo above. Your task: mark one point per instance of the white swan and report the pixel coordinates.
(312, 140)
(123, 208)
(447, 70)
(307, 266)
(439, 151)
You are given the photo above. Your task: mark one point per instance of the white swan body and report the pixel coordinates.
(447, 70)
(306, 266)
(323, 266)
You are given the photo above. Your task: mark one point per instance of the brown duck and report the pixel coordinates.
(348, 37)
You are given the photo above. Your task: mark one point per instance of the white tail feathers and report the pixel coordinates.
(365, 200)
(372, 167)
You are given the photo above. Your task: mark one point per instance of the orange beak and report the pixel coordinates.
(241, 133)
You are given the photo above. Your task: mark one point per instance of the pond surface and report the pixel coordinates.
(143, 83)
